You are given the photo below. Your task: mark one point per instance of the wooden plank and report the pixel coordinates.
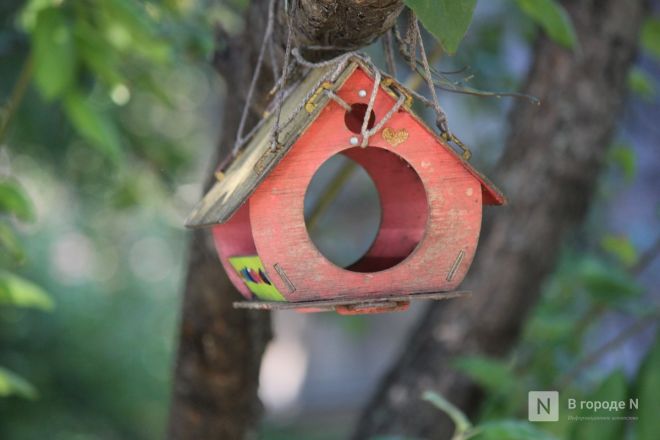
(332, 304)
(257, 159)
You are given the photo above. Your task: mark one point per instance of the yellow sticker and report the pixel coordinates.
(252, 272)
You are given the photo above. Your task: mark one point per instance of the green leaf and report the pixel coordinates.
(613, 388)
(97, 54)
(461, 422)
(510, 430)
(651, 36)
(606, 283)
(550, 328)
(624, 156)
(648, 384)
(13, 384)
(30, 12)
(552, 17)
(54, 53)
(620, 247)
(93, 125)
(18, 292)
(9, 245)
(446, 20)
(129, 28)
(641, 84)
(491, 374)
(13, 200)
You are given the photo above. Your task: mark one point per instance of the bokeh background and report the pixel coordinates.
(110, 113)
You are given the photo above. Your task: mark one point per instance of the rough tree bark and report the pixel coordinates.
(217, 367)
(549, 170)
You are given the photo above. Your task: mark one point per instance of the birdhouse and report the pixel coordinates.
(431, 201)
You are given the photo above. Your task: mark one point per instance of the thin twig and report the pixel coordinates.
(388, 50)
(646, 258)
(415, 79)
(644, 261)
(331, 192)
(614, 343)
(16, 97)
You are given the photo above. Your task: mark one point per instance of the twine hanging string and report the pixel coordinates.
(339, 64)
(293, 56)
(365, 131)
(281, 82)
(388, 50)
(441, 117)
(240, 138)
(409, 46)
(279, 89)
(370, 108)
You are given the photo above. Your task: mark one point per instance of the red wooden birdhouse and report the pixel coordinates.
(431, 201)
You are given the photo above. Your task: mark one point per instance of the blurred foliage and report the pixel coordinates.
(651, 36)
(16, 291)
(448, 20)
(104, 107)
(558, 343)
(641, 84)
(12, 384)
(552, 17)
(505, 429)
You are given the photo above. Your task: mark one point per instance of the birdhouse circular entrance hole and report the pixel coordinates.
(366, 209)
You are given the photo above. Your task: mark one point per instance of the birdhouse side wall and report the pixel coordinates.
(234, 239)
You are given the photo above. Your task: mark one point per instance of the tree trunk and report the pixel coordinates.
(220, 348)
(548, 171)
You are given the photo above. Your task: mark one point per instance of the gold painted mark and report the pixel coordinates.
(312, 103)
(395, 137)
(454, 267)
(394, 89)
(284, 277)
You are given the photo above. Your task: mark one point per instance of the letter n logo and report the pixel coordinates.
(543, 406)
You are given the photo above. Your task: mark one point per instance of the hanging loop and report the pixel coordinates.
(448, 136)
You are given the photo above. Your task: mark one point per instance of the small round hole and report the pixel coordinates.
(366, 209)
(354, 118)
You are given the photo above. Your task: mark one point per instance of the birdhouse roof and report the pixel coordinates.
(251, 166)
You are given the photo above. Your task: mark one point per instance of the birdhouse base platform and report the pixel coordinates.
(345, 306)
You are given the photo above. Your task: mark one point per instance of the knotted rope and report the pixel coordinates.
(293, 56)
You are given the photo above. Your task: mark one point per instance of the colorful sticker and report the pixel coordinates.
(252, 272)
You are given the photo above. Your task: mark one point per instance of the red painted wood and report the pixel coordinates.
(453, 195)
(234, 239)
(403, 205)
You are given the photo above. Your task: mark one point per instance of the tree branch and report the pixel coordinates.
(614, 343)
